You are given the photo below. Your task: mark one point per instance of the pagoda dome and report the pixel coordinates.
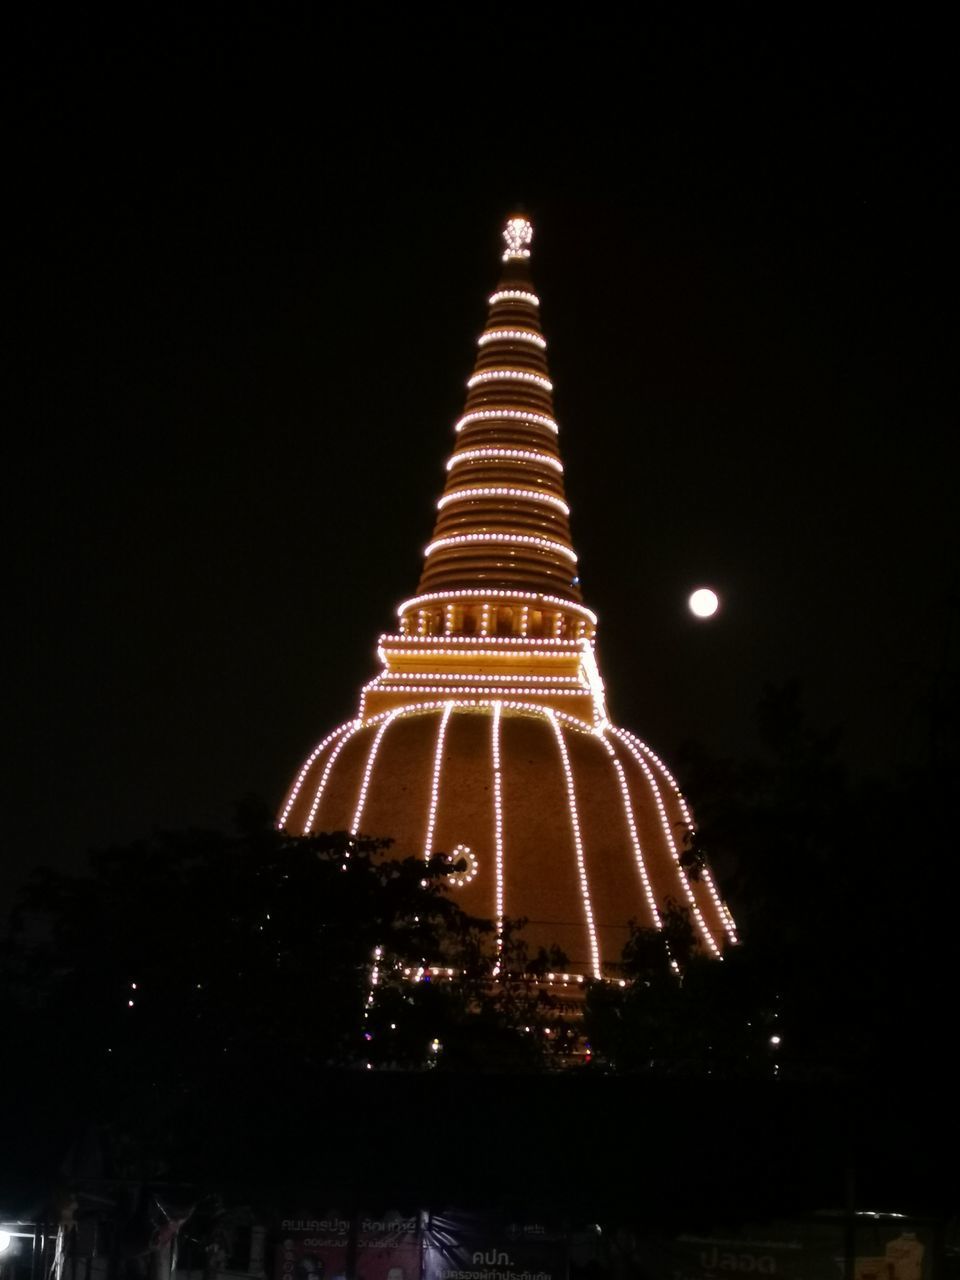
(485, 735)
(575, 829)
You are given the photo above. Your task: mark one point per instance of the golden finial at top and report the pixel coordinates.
(517, 235)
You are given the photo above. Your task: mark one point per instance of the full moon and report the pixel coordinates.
(704, 603)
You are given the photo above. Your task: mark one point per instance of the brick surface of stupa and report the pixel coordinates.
(485, 734)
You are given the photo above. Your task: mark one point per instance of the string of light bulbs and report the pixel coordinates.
(497, 826)
(505, 539)
(634, 838)
(513, 295)
(512, 335)
(435, 782)
(509, 375)
(507, 415)
(465, 593)
(512, 455)
(501, 491)
(295, 790)
(726, 917)
(671, 844)
(577, 842)
(368, 772)
(353, 727)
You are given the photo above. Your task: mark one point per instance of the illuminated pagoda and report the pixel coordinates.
(485, 734)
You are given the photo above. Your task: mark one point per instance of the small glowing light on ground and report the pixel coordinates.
(704, 603)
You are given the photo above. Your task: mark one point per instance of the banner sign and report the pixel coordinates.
(811, 1250)
(469, 1247)
(313, 1248)
(387, 1248)
(461, 1246)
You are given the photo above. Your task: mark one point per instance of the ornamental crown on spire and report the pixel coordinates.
(517, 235)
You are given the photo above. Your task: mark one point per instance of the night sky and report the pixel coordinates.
(248, 263)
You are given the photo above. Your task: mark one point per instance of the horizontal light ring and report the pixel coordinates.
(508, 704)
(511, 455)
(509, 375)
(572, 646)
(502, 539)
(512, 335)
(507, 415)
(442, 675)
(465, 593)
(477, 653)
(531, 495)
(513, 295)
(516, 690)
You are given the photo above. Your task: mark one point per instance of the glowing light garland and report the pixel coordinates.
(729, 924)
(528, 495)
(634, 838)
(509, 375)
(459, 878)
(517, 687)
(726, 915)
(479, 594)
(571, 650)
(354, 727)
(505, 539)
(441, 675)
(497, 826)
(513, 295)
(512, 335)
(512, 455)
(435, 782)
(588, 665)
(668, 835)
(368, 771)
(507, 415)
(577, 842)
(295, 791)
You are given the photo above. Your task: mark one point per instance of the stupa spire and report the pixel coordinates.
(498, 606)
(502, 530)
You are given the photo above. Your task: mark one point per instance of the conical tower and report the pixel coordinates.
(485, 734)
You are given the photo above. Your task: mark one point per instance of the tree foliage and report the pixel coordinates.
(840, 888)
(198, 972)
(196, 975)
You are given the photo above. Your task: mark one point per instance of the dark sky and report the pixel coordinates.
(248, 260)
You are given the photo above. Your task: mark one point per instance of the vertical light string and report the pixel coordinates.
(671, 844)
(435, 783)
(578, 844)
(368, 770)
(634, 838)
(354, 727)
(295, 790)
(724, 912)
(497, 828)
